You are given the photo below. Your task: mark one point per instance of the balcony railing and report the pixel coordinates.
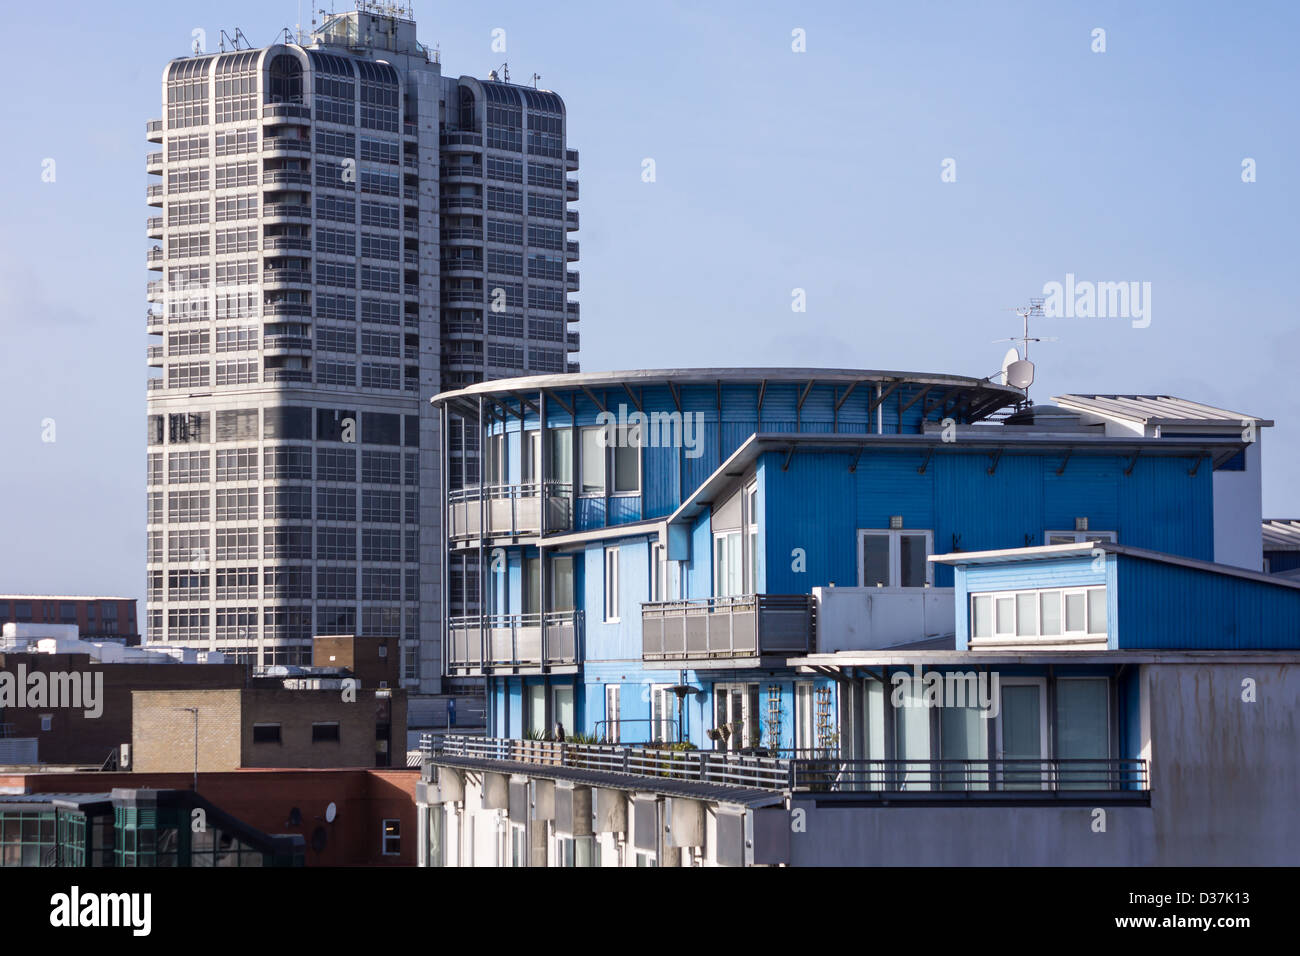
(571, 159)
(463, 139)
(571, 220)
(288, 210)
(153, 130)
(276, 177)
(509, 510)
(286, 375)
(153, 162)
(513, 641)
(822, 772)
(286, 111)
(286, 142)
(724, 628)
(286, 242)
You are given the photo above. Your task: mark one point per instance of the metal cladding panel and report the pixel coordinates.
(1215, 611)
(662, 480)
(891, 484)
(739, 403)
(572, 809)
(818, 409)
(810, 506)
(591, 514)
(695, 471)
(735, 434)
(684, 822)
(853, 415)
(645, 823)
(609, 810)
(1070, 572)
(779, 403)
(771, 836)
(624, 509)
(699, 571)
(543, 799)
(1088, 488)
(518, 799)
(1164, 508)
(976, 511)
(730, 828)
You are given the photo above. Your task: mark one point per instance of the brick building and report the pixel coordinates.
(268, 726)
(96, 618)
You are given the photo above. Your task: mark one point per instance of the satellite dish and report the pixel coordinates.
(1019, 374)
(331, 812)
(1011, 356)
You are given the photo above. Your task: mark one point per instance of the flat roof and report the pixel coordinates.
(899, 657)
(1081, 548)
(1156, 410)
(714, 376)
(1281, 534)
(64, 597)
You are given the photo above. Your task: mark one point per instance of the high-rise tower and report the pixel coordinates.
(343, 232)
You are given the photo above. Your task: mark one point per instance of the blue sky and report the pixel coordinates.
(775, 170)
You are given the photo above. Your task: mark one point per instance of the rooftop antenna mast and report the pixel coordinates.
(536, 77)
(1017, 370)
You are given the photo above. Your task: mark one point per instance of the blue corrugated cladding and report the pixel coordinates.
(818, 504)
(1163, 605)
(1071, 572)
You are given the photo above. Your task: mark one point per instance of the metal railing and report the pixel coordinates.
(748, 625)
(514, 640)
(287, 110)
(510, 509)
(816, 770)
(703, 766)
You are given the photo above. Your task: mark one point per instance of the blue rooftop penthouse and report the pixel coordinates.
(754, 581)
(645, 551)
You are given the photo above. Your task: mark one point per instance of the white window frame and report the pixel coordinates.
(721, 536)
(895, 555)
(749, 544)
(611, 584)
(613, 707)
(1078, 537)
(658, 589)
(1001, 634)
(663, 713)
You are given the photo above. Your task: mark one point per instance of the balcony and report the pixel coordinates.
(153, 323)
(288, 210)
(571, 342)
(154, 258)
(273, 243)
(456, 142)
(571, 190)
(286, 308)
(285, 144)
(572, 281)
(508, 510)
(861, 619)
(514, 642)
(154, 356)
(153, 194)
(153, 163)
(463, 235)
(153, 131)
(570, 159)
(572, 311)
(473, 298)
(461, 202)
(723, 629)
(280, 277)
(286, 375)
(281, 177)
(963, 781)
(571, 249)
(461, 172)
(155, 290)
(411, 258)
(571, 220)
(295, 112)
(153, 384)
(282, 344)
(153, 227)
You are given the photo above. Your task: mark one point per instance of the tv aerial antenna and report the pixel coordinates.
(1017, 370)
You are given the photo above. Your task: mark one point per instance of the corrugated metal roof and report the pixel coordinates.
(1156, 410)
(1282, 534)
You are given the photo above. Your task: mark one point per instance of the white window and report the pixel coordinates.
(1075, 537)
(751, 539)
(612, 712)
(592, 465)
(611, 584)
(728, 568)
(658, 573)
(663, 713)
(894, 559)
(1053, 612)
(626, 459)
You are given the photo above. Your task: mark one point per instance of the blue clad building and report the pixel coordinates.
(875, 586)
